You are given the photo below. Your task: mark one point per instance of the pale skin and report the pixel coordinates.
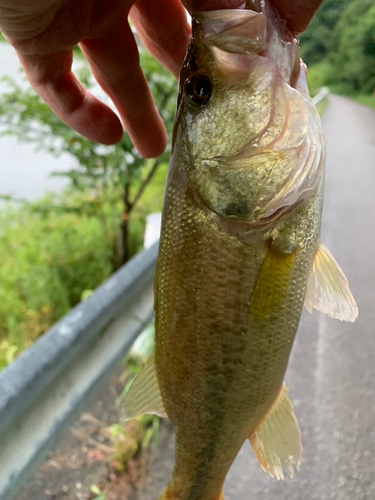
(44, 32)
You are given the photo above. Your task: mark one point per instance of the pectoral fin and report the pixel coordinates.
(277, 440)
(328, 289)
(272, 285)
(144, 393)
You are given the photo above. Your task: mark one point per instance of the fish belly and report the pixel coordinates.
(221, 354)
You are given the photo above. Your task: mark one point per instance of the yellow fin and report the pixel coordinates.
(277, 440)
(272, 284)
(328, 289)
(144, 393)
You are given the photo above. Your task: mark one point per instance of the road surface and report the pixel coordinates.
(331, 375)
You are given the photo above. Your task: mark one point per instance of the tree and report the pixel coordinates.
(353, 47)
(107, 173)
(315, 41)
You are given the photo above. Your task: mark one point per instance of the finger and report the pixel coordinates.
(200, 5)
(298, 14)
(164, 29)
(114, 61)
(52, 79)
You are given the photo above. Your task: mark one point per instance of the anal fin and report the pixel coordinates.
(328, 289)
(277, 440)
(144, 393)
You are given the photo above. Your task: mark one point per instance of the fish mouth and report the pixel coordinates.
(256, 42)
(236, 31)
(233, 35)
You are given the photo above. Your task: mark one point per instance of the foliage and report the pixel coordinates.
(321, 107)
(99, 494)
(138, 433)
(136, 436)
(47, 262)
(368, 100)
(353, 60)
(317, 76)
(341, 43)
(316, 40)
(110, 173)
(53, 254)
(127, 442)
(58, 249)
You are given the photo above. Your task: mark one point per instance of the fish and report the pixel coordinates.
(240, 252)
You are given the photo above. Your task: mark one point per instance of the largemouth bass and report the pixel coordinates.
(240, 251)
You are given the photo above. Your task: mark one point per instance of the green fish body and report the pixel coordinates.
(239, 252)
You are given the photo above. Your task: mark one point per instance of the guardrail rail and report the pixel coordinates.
(44, 390)
(324, 92)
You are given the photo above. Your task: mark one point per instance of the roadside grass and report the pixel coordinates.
(52, 258)
(317, 77)
(321, 107)
(320, 75)
(47, 262)
(367, 100)
(128, 443)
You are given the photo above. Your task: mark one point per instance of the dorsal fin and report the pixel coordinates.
(277, 440)
(328, 289)
(144, 393)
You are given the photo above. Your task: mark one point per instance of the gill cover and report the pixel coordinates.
(255, 141)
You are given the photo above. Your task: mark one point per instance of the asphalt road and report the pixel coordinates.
(331, 375)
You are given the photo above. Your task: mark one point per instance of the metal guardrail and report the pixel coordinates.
(324, 92)
(44, 390)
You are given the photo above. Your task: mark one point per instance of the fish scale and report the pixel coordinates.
(239, 252)
(226, 358)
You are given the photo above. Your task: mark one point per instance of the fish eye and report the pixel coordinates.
(198, 89)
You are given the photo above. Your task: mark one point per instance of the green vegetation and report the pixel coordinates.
(52, 255)
(316, 40)
(56, 250)
(321, 107)
(353, 62)
(99, 495)
(368, 100)
(340, 47)
(126, 445)
(46, 264)
(138, 433)
(317, 76)
(110, 173)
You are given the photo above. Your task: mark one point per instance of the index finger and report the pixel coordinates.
(298, 14)
(52, 79)
(114, 61)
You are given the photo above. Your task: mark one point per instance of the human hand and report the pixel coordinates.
(297, 13)
(44, 32)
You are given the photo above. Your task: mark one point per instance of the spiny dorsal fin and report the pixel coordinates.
(277, 440)
(328, 289)
(144, 393)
